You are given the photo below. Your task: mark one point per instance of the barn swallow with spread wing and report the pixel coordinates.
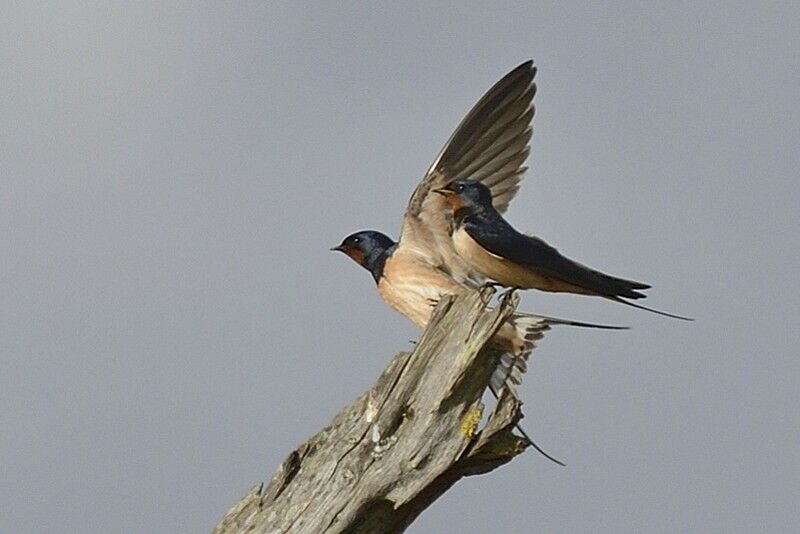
(487, 242)
(490, 145)
(413, 288)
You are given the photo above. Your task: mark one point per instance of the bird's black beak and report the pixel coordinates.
(338, 248)
(443, 192)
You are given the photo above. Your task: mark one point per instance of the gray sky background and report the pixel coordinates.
(173, 323)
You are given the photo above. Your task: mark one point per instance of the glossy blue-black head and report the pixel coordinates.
(466, 194)
(368, 248)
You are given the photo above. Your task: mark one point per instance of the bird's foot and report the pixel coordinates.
(488, 289)
(491, 285)
(508, 295)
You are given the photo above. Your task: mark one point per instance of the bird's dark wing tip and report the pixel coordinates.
(527, 67)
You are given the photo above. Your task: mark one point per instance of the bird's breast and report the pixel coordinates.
(413, 288)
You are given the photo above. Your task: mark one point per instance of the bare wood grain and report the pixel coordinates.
(398, 447)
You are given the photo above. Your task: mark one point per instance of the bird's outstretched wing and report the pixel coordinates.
(490, 146)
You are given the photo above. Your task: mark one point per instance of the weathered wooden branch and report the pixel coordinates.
(399, 446)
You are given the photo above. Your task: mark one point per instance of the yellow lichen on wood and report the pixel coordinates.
(469, 424)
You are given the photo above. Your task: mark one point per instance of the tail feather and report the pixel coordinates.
(618, 289)
(611, 285)
(496, 387)
(512, 366)
(528, 329)
(569, 322)
(652, 310)
(508, 373)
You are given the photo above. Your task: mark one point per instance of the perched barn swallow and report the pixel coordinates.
(489, 145)
(413, 287)
(485, 240)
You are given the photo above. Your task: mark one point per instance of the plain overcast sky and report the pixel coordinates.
(173, 323)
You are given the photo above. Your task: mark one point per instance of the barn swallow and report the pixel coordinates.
(490, 145)
(485, 240)
(413, 287)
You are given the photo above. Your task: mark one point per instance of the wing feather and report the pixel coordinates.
(534, 253)
(490, 145)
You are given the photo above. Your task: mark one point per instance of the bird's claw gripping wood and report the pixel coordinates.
(487, 293)
(509, 296)
(493, 285)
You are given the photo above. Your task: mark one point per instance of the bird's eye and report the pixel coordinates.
(356, 240)
(460, 187)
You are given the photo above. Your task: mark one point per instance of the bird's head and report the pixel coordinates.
(365, 247)
(466, 195)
